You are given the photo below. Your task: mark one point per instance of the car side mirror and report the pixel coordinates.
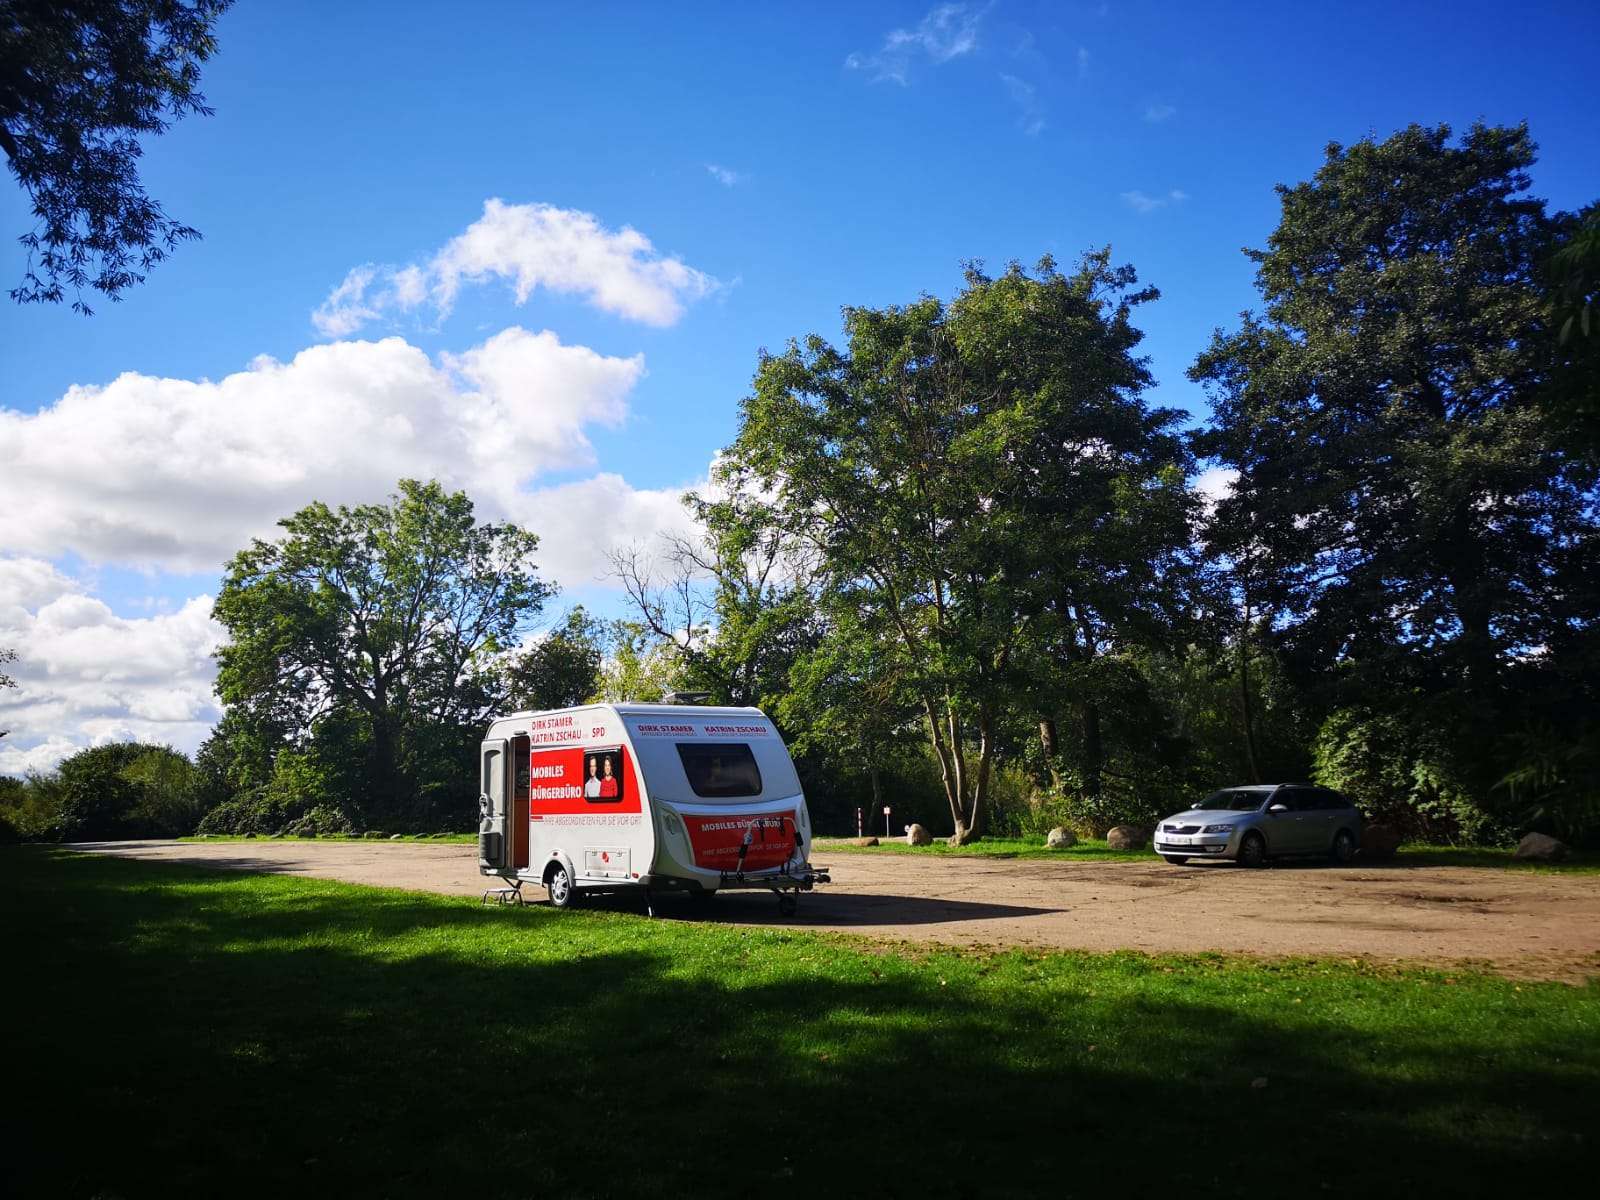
(1272, 808)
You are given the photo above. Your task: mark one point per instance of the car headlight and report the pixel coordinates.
(1217, 829)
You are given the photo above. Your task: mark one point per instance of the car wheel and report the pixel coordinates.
(1252, 851)
(788, 905)
(559, 884)
(1176, 860)
(1344, 846)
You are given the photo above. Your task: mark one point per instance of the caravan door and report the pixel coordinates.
(494, 853)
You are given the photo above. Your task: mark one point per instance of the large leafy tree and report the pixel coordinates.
(733, 604)
(397, 614)
(80, 82)
(562, 668)
(944, 470)
(1404, 509)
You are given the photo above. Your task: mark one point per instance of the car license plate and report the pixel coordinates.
(1180, 841)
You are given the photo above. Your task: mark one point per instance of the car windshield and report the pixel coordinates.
(1234, 800)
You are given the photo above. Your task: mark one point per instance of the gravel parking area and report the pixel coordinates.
(1538, 925)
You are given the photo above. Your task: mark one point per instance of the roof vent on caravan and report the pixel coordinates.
(686, 697)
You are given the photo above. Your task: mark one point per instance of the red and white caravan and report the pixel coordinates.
(660, 797)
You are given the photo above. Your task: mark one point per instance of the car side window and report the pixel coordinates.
(1332, 799)
(1297, 799)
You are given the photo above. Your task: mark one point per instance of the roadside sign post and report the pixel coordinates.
(858, 821)
(887, 831)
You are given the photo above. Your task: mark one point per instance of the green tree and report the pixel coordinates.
(123, 790)
(1405, 518)
(934, 471)
(560, 669)
(640, 666)
(398, 614)
(733, 604)
(80, 82)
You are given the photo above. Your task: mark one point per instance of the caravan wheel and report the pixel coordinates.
(559, 884)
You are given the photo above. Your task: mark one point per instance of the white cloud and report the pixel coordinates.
(1026, 97)
(580, 524)
(726, 176)
(1142, 203)
(530, 246)
(946, 32)
(175, 474)
(86, 676)
(1083, 62)
(1214, 484)
(1156, 113)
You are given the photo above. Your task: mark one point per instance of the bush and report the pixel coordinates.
(120, 790)
(1403, 773)
(321, 821)
(30, 808)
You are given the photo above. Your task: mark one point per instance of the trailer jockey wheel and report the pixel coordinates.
(788, 905)
(559, 884)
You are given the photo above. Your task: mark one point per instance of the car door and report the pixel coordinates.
(1290, 831)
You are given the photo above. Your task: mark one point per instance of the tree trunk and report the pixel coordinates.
(1093, 758)
(877, 795)
(1246, 709)
(947, 772)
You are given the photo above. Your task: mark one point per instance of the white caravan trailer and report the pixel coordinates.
(658, 797)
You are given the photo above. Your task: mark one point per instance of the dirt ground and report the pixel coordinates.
(1518, 923)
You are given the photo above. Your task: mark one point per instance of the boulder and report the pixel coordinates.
(918, 835)
(1379, 841)
(251, 834)
(1127, 837)
(1540, 847)
(397, 837)
(864, 841)
(1060, 838)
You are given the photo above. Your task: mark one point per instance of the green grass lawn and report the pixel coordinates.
(172, 1031)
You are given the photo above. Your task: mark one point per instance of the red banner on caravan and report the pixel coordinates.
(580, 779)
(768, 840)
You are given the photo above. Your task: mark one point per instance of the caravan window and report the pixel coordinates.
(720, 768)
(603, 780)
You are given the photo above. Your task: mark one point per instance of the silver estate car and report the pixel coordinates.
(1255, 823)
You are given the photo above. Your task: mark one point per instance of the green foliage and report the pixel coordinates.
(119, 790)
(1402, 501)
(372, 639)
(560, 669)
(640, 667)
(78, 83)
(913, 471)
(1403, 770)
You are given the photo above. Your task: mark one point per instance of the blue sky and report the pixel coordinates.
(861, 153)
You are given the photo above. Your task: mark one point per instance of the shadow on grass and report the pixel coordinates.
(177, 1031)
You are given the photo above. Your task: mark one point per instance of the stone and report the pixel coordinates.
(251, 834)
(864, 841)
(1127, 837)
(397, 837)
(1379, 841)
(918, 835)
(1540, 847)
(1060, 838)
